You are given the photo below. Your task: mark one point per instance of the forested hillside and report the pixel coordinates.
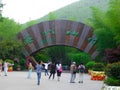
(78, 11)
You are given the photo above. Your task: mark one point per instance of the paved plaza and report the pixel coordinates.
(19, 81)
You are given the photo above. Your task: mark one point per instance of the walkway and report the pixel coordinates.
(18, 81)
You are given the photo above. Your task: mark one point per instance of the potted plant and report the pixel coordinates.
(89, 66)
(98, 72)
(112, 80)
(10, 65)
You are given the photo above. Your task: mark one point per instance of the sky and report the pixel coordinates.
(23, 11)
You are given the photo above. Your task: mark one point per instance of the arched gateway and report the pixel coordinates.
(58, 32)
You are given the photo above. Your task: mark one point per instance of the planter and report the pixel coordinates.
(89, 72)
(106, 87)
(10, 69)
(97, 75)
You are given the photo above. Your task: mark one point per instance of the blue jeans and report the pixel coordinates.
(46, 72)
(38, 78)
(72, 78)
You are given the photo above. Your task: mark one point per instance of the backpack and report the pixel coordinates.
(81, 68)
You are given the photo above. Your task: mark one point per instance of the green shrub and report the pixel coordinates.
(22, 64)
(113, 74)
(98, 67)
(9, 61)
(15, 66)
(112, 81)
(113, 70)
(90, 64)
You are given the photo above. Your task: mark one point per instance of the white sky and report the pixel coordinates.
(25, 10)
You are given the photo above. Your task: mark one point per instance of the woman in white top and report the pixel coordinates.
(59, 70)
(46, 68)
(30, 68)
(6, 67)
(81, 68)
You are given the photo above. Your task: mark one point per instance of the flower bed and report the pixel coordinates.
(97, 75)
(10, 69)
(89, 72)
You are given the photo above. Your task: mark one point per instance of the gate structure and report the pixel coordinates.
(58, 32)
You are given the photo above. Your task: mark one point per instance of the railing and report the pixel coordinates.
(106, 87)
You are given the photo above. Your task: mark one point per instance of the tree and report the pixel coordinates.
(1, 6)
(10, 49)
(51, 16)
(9, 29)
(79, 57)
(113, 18)
(106, 26)
(112, 55)
(57, 52)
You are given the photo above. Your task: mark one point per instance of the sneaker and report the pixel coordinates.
(72, 82)
(80, 82)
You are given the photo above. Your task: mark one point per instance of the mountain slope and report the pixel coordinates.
(79, 11)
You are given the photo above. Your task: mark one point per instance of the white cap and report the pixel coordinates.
(74, 62)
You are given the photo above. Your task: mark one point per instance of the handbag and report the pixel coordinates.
(60, 70)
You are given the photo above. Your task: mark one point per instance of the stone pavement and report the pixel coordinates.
(18, 81)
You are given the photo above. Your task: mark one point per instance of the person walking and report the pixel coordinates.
(0, 67)
(6, 68)
(52, 70)
(30, 68)
(73, 69)
(59, 70)
(38, 71)
(46, 68)
(81, 69)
